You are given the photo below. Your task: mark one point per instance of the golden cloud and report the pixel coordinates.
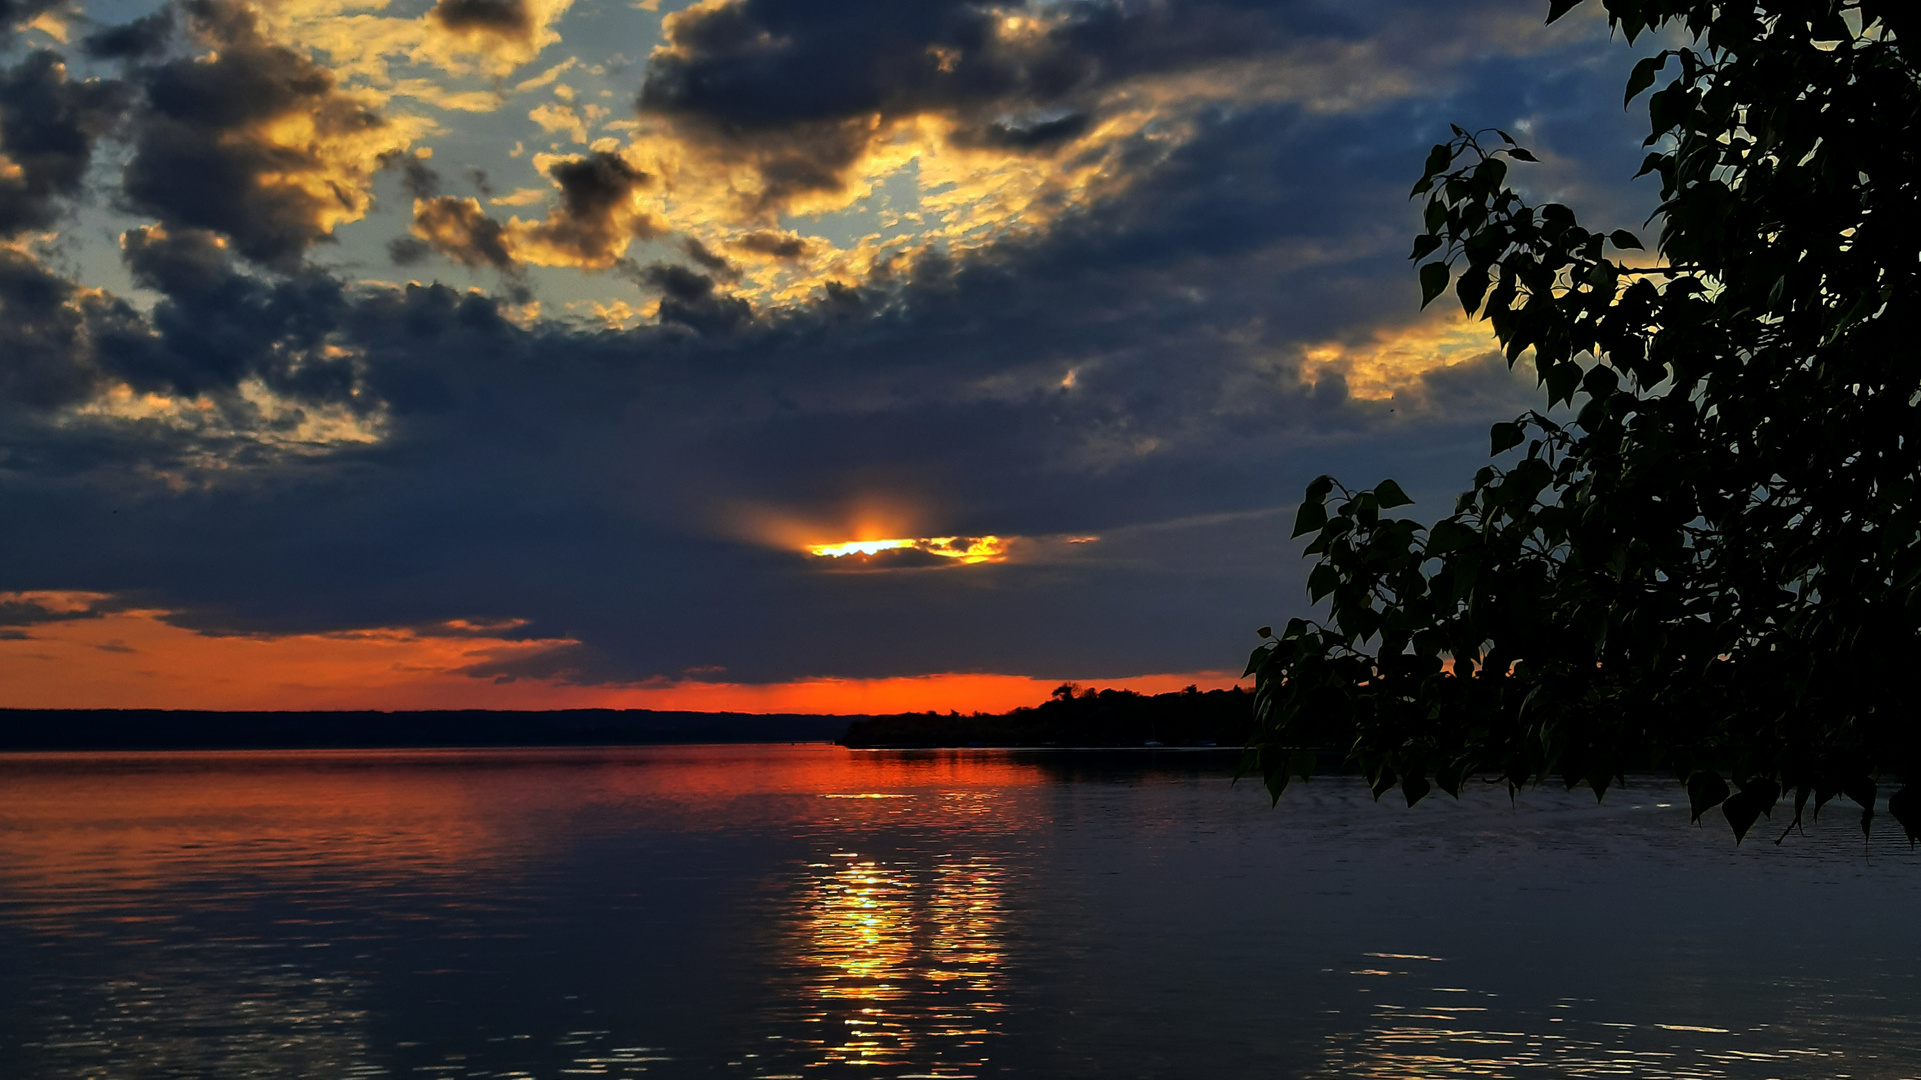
(1393, 360)
(481, 38)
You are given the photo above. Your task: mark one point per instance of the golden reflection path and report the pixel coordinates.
(899, 960)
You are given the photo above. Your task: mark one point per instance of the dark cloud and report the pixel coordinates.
(498, 18)
(589, 227)
(48, 126)
(28, 611)
(1038, 134)
(689, 299)
(420, 180)
(459, 229)
(773, 244)
(44, 359)
(219, 326)
(1131, 372)
(594, 216)
(204, 156)
(715, 264)
(797, 86)
(408, 250)
(136, 40)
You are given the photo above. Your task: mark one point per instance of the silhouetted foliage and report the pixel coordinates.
(1713, 561)
(1075, 717)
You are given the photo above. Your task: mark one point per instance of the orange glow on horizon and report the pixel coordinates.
(134, 659)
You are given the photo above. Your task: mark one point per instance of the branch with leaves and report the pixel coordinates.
(1713, 562)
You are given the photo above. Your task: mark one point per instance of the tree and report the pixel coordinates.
(1712, 561)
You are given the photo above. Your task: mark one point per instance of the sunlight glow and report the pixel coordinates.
(964, 549)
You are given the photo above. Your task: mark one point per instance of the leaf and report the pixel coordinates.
(1448, 536)
(1276, 782)
(1383, 783)
(1521, 153)
(1504, 437)
(1438, 159)
(1625, 240)
(1742, 810)
(1415, 787)
(1472, 286)
(1434, 278)
(1309, 518)
(1389, 495)
(1558, 8)
(1862, 790)
(1706, 790)
(1562, 379)
(1425, 245)
(1643, 77)
(1321, 580)
(1258, 659)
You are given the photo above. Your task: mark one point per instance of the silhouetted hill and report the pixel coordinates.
(182, 729)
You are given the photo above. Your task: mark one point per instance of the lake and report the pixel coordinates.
(809, 911)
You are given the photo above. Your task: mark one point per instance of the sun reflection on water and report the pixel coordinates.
(901, 961)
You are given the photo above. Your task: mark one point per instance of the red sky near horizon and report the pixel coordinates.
(136, 659)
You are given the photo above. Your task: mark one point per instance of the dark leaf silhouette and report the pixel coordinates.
(1705, 556)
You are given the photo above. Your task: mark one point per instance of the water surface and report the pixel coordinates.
(808, 911)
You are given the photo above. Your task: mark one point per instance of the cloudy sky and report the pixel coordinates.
(525, 353)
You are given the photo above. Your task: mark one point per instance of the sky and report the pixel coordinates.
(771, 355)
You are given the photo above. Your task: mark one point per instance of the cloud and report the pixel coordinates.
(48, 127)
(43, 336)
(18, 13)
(34, 608)
(459, 229)
(1134, 345)
(137, 40)
(255, 141)
(957, 125)
(462, 38)
(596, 216)
(506, 19)
(689, 299)
(594, 219)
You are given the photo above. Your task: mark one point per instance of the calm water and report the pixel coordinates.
(809, 911)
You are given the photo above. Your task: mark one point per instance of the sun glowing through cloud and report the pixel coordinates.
(962, 549)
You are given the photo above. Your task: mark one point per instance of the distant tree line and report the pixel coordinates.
(1077, 716)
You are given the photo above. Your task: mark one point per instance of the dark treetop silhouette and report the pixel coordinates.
(1715, 565)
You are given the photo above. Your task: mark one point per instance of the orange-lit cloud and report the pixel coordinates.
(76, 651)
(884, 533)
(966, 550)
(1391, 360)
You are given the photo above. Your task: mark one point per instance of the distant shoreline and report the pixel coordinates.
(1072, 719)
(415, 729)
